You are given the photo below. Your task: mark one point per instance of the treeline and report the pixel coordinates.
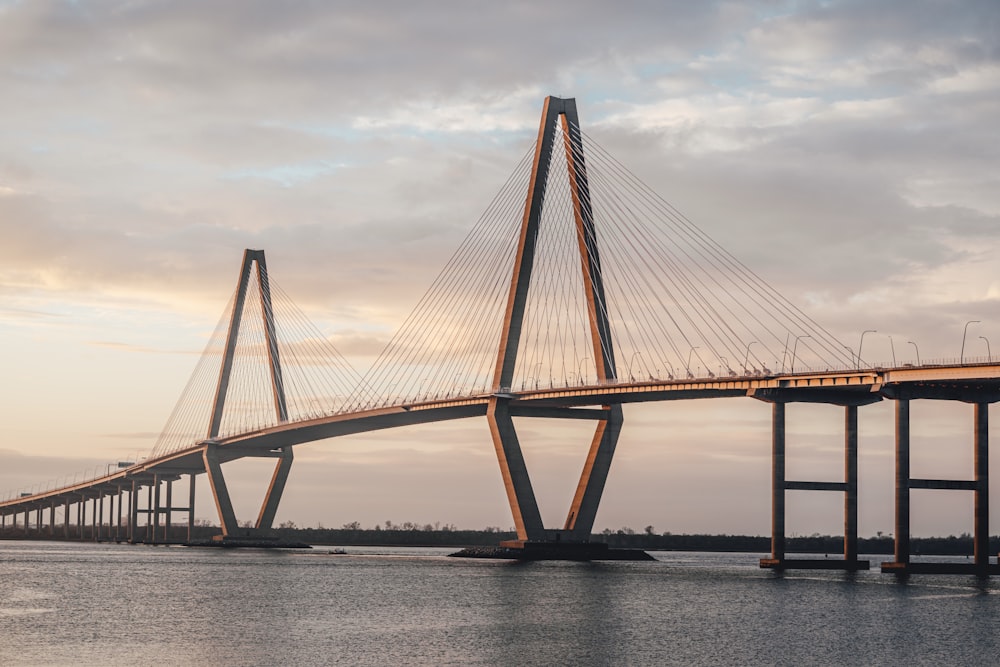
(430, 535)
(448, 536)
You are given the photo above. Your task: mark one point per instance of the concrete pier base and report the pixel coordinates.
(247, 542)
(575, 551)
(814, 564)
(939, 568)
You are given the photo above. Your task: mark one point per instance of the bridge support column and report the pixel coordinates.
(981, 549)
(133, 512)
(583, 511)
(100, 517)
(150, 534)
(520, 495)
(979, 486)
(169, 509)
(901, 550)
(117, 520)
(227, 517)
(780, 484)
(111, 517)
(269, 507)
(851, 479)
(191, 487)
(155, 529)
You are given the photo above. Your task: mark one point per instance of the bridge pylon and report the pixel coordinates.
(254, 267)
(524, 508)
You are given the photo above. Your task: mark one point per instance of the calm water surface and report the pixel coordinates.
(86, 604)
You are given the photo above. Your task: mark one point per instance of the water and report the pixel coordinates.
(87, 604)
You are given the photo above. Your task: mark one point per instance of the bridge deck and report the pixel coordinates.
(966, 382)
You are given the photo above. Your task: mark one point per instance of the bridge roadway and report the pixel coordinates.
(972, 383)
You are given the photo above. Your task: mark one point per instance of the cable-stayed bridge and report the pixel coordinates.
(579, 290)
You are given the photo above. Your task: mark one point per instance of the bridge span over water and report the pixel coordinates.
(533, 317)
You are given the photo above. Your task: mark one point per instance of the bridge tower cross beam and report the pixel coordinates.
(254, 266)
(524, 507)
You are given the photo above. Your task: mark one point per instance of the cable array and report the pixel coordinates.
(314, 377)
(678, 304)
(447, 346)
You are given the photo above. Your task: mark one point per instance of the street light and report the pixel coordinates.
(917, 349)
(893, 348)
(989, 355)
(961, 358)
(746, 358)
(688, 365)
(631, 376)
(862, 342)
(795, 347)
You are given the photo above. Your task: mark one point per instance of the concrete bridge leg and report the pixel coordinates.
(167, 512)
(780, 484)
(217, 482)
(778, 481)
(981, 549)
(520, 495)
(118, 517)
(979, 486)
(133, 511)
(191, 488)
(155, 528)
(851, 480)
(901, 552)
(269, 507)
(150, 536)
(583, 511)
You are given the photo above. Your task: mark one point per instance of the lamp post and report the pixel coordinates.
(961, 358)
(687, 366)
(893, 348)
(795, 347)
(917, 349)
(746, 358)
(989, 355)
(862, 342)
(631, 375)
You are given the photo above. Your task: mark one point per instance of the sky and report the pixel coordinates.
(847, 151)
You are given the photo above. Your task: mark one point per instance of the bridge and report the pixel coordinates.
(578, 291)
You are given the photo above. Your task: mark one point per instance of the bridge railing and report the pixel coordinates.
(68, 481)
